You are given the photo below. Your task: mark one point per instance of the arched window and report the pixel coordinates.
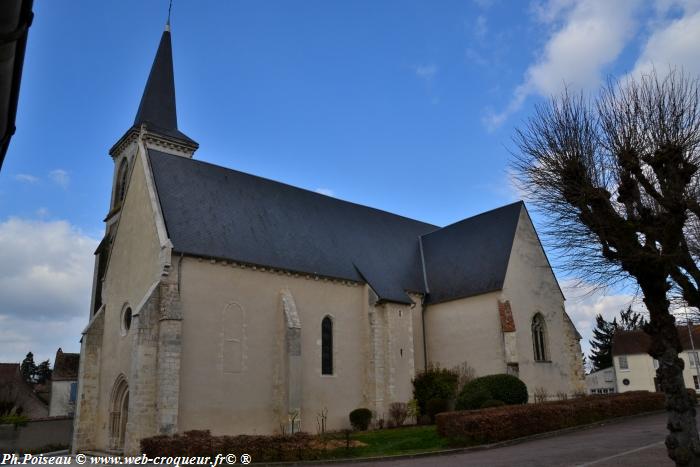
(327, 346)
(539, 338)
(126, 320)
(121, 182)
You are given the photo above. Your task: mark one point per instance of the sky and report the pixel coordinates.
(407, 106)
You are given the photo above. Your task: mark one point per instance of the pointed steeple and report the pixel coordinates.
(157, 109)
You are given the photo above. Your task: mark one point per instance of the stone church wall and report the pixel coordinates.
(234, 376)
(470, 329)
(133, 268)
(531, 288)
(466, 330)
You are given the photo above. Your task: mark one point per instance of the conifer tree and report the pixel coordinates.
(43, 372)
(28, 368)
(601, 345)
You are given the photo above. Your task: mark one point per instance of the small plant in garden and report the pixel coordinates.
(398, 413)
(540, 395)
(465, 375)
(413, 410)
(360, 418)
(321, 419)
(293, 415)
(505, 388)
(434, 383)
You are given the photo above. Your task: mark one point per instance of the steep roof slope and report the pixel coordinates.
(217, 212)
(470, 257)
(65, 366)
(638, 341)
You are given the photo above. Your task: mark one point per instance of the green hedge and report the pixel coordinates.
(505, 388)
(276, 448)
(509, 422)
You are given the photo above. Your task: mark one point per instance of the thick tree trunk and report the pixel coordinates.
(682, 442)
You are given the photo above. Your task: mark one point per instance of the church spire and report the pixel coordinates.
(156, 118)
(158, 101)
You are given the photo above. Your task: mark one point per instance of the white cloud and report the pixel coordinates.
(26, 178)
(672, 44)
(484, 4)
(325, 191)
(426, 72)
(592, 34)
(45, 282)
(60, 176)
(584, 302)
(481, 27)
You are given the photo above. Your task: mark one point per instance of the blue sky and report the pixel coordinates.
(407, 106)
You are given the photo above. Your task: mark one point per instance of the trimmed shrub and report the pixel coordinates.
(492, 403)
(504, 423)
(434, 407)
(472, 399)
(276, 448)
(505, 388)
(360, 418)
(434, 383)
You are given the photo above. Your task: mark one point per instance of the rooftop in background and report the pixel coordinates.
(65, 367)
(8, 371)
(638, 342)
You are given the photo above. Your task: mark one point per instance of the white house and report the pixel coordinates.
(635, 369)
(601, 381)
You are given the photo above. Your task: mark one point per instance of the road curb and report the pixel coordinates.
(448, 452)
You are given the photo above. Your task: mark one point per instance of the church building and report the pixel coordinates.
(230, 302)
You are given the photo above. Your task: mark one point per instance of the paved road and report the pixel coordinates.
(633, 442)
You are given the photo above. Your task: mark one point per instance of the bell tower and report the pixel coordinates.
(154, 127)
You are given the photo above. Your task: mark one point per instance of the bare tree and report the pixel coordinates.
(617, 180)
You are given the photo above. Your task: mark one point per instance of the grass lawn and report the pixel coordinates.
(394, 441)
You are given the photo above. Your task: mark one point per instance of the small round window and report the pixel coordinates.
(126, 320)
(626, 382)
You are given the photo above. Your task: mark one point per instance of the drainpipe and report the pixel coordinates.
(423, 308)
(423, 303)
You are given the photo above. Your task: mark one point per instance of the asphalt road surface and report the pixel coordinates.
(635, 441)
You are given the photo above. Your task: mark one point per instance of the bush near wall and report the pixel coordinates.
(276, 448)
(509, 422)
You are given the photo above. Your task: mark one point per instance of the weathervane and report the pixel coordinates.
(170, 7)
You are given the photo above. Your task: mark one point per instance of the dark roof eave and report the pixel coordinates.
(19, 37)
(429, 301)
(186, 141)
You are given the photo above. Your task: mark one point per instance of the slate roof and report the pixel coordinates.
(157, 109)
(470, 257)
(216, 212)
(638, 342)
